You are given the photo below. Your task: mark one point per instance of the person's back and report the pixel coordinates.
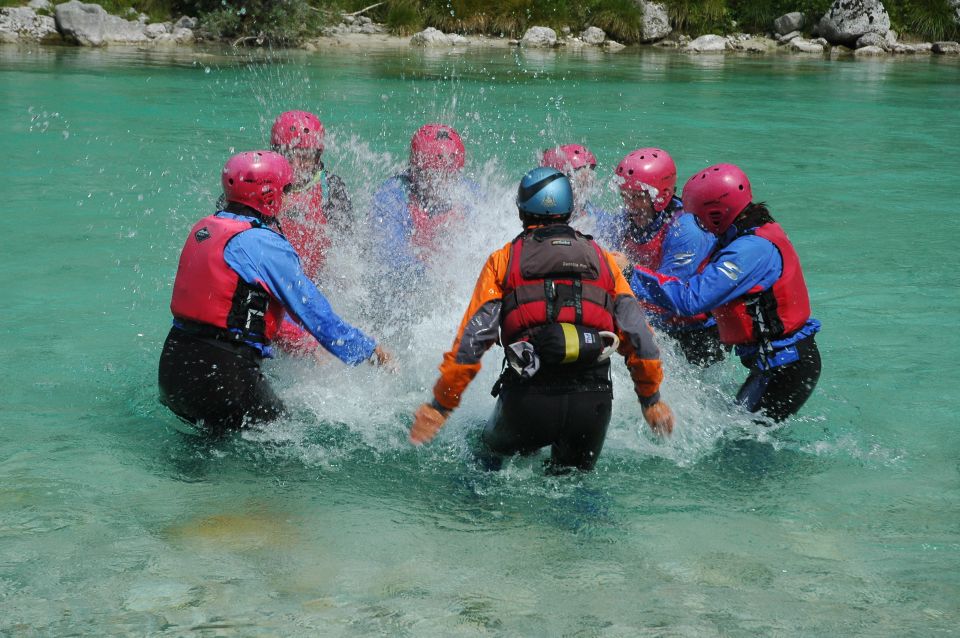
(560, 309)
(236, 280)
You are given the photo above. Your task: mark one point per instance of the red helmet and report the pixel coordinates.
(297, 129)
(716, 195)
(568, 157)
(649, 168)
(257, 179)
(437, 146)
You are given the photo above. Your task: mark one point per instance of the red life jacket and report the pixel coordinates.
(305, 226)
(772, 313)
(650, 253)
(207, 291)
(427, 228)
(556, 275)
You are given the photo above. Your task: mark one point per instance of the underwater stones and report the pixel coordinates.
(789, 22)
(846, 20)
(593, 35)
(708, 44)
(431, 37)
(19, 24)
(656, 21)
(613, 46)
(90, 25)
(539, 37)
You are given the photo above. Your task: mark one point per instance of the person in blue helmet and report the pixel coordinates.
(561, 308)
(753, 284)
(237, 278)
(414, 210)
(653, 231)
(580, 166)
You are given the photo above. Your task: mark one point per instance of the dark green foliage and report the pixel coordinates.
(403, 16)
(932, 20)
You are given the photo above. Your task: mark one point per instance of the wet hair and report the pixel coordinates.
(755, 214)
(543, 220)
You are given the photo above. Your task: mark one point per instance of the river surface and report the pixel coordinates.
(112, 522)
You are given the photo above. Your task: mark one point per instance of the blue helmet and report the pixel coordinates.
(545, 191)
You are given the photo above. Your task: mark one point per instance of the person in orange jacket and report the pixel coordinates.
(561, 307)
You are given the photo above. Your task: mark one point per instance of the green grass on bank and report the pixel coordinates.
(291, 21)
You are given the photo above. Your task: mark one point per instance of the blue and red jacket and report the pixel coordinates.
(673, 244)
(753, 284)
(408, 228)
(229, 259)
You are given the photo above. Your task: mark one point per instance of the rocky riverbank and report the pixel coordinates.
(860, 28)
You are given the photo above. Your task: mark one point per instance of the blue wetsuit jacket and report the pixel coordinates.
(738, 265)
(264, 258)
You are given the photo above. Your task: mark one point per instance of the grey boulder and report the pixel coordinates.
(847, 20)
(946, 48)
(871, 40)
(805, 46)
(90, 25)
(868, 51)
(709, 43)
(539, 37)
(18, 24)
(431, 37)
(656, 21)
(789, 22)
(593, 35)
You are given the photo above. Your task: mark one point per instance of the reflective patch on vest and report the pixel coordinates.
(730, 269)
(202, 234)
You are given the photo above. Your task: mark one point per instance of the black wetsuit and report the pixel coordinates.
(780, 392)
(215, 384)
(701, 347)
(567, 409)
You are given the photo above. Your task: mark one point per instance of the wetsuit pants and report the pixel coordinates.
(215, 384)
(780, 392)
(571, 419)
(700, 347)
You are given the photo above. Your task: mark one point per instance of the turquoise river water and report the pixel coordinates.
(844, 522)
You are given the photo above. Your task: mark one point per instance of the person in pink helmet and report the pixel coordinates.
(753, 284)
(415, 209)
(237, 278)
(652, 230)
(319, 202)
(580, 166)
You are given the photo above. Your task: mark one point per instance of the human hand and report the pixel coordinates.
(427, 421)
(659, 417)
(384, 359)
(620, 260)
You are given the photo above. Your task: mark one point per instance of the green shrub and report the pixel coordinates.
(698, 17)
(927, 19)
(403, 17)
(278, 22)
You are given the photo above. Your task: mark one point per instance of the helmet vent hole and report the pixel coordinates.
(630, 172)
(740, 187)
(231, 181)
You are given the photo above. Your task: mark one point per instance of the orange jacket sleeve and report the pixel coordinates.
(478, 331)
(636, 339)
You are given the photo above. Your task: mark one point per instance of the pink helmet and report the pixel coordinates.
(716, 195)
(567, 157)
(257, 179)
(437, 146)
(649, 167)
(297, 129)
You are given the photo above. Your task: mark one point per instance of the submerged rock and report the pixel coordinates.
(710, 43)
(789, 22)
(90, 25)
(656, 21)
(847, 20)
(539, 37)
(613, 45)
